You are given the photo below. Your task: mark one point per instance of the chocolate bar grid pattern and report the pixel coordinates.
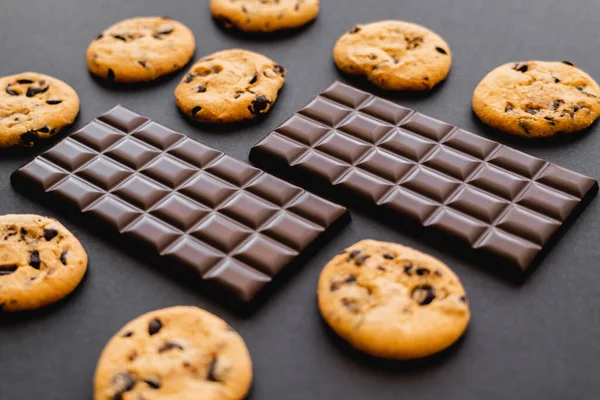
(493, 197)
(231, 222)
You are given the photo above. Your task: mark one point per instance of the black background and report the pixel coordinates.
(538, 340)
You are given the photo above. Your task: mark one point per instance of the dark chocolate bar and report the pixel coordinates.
(224, 219)
(503, 202)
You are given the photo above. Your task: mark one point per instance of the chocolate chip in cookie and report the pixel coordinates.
(122, 383)
(63, 257)
(170, 345)
(154, 326)
(7, 269)
(423, 294)
(50, 234)
(259, 105)
(34, 259)
(153, 382)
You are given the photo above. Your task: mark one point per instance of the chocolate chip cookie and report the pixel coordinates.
(537, 98)
(141, 49)
(394, 55)
(40, 262)
(392, 301)
(34, 106)
(264, 15)
(230, 86)
(182, 353)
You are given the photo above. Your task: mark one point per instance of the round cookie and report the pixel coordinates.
(537, 98)
(394, 55)
(182, 353)
(141, 49)
(34, 106)
(230, 86)
(264, 15)
(391, 301)
(40, 262)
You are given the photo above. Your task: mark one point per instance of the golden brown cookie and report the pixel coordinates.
(230, 86)
(392, 301)
(537, 98)
(34, 106)
(141, 49)
(264, 15)
(182, 353)
(394, 55)
(40, 262)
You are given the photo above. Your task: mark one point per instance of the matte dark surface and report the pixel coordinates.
(538, 340)
(223, 221)
(493, 198)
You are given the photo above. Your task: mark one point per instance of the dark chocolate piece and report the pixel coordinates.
(63, 257)
(498, 200)
(154, 326)
(50, 234)
(34, 259)
(4, 270)
(170, 346)
(226, 221)
(211, 376)
(423, 294)
(32, 91)
(153, 382)
(11, 92)
(122, 382)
